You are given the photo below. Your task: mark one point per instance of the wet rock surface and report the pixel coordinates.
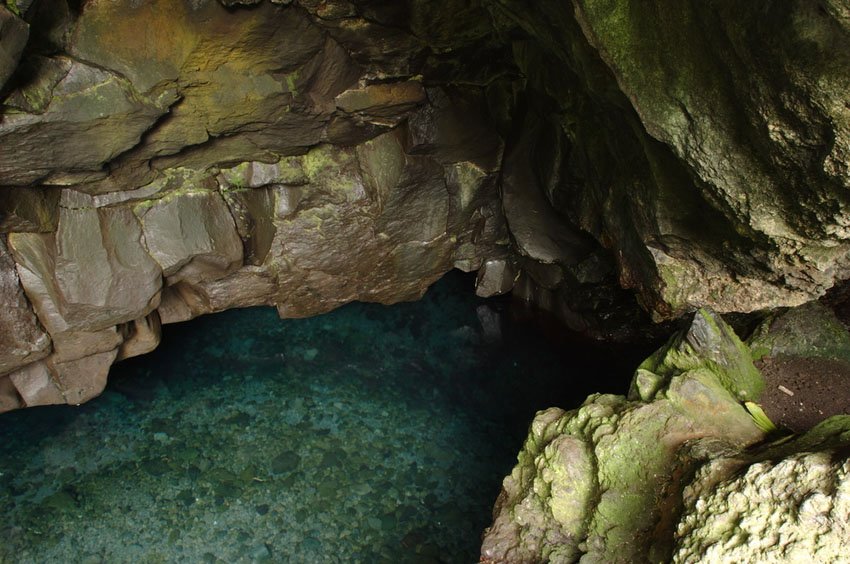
(270, 150)
(243, 157)
(613, 166)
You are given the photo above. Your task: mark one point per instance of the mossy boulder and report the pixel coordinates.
(602, 482)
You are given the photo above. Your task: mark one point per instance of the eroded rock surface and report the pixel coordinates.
(789, 510)
(705, 147)
(687, 468)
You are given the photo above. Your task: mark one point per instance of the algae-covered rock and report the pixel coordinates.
(810, 331)
(599, 483)
(709, 345)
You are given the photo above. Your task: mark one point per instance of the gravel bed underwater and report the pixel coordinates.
(369, 434)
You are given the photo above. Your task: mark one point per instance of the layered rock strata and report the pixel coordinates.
(165, 161)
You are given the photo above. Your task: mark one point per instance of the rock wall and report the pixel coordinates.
(705, 145)
(687, 467)
(166, 159)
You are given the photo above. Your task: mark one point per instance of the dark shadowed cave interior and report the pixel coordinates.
(424, 281)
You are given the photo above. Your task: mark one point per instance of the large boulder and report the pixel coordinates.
(680, 470)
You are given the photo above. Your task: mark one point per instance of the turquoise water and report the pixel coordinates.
(370, 434)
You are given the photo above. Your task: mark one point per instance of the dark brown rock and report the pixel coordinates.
(13, 37)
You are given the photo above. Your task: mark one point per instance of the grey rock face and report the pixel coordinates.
(22, 340)
(191, 235)
(96, 114)
(92, 274)
(706, 149)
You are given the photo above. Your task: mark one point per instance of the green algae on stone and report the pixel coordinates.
(810, 331)
(709, 344)
(787, 502)
(599, 482)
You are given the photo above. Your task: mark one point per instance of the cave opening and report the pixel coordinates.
(381, 433)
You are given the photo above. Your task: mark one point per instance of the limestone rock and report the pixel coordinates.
(709, 345)
(789, 504)
(72, 345)
(538, 231)
(647, 151)
(22, 340)
(180, 303)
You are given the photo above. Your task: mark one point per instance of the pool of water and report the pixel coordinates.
(369, 434)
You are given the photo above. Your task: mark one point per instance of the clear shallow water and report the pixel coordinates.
(370, 434)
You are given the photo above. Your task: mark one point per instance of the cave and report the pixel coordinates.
(617, 233)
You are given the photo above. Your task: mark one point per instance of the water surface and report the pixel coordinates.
(370, 434)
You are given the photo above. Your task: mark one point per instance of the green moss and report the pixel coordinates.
(810, 331)
(709, 345)
(291, 83)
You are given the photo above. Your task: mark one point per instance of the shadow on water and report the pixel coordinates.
(370, 434)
